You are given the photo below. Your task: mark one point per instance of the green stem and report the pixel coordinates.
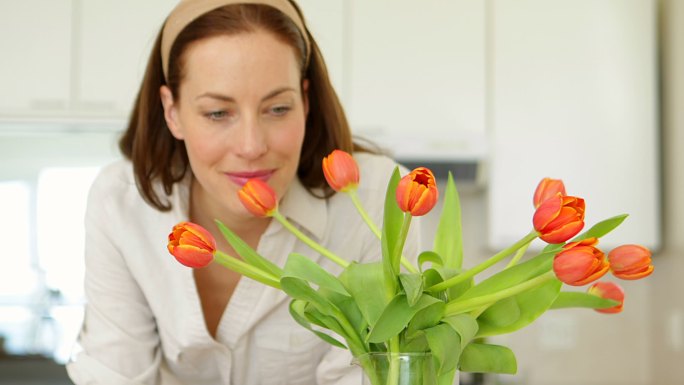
(399, 247)
(393, 375)
(241, 267)
(517, 256)
(456, 306)
(374, 229)
(484, 265)
(308, 241)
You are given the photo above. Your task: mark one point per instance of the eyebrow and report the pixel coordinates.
(226, 98)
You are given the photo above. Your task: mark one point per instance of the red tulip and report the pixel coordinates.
(580, 263)
(258, 198)
(191, 244)
(417, 192)
(608, 290)
(548, 188)
(341, 171)
(559, 218)
(630, 262)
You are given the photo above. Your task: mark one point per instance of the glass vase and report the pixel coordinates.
(397, 368)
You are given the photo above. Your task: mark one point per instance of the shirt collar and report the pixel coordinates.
(301, 207)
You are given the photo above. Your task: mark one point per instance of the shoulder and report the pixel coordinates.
(375, 170)
(113, 179)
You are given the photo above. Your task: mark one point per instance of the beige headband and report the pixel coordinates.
(188, 10)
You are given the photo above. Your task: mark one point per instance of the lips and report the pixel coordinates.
(240, 178)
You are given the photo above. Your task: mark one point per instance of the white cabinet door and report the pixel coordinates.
(113, 45)
(417, 75)
(35, 42)
(574, 97)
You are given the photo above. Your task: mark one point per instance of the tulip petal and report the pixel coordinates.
(417, 192)
(608, 290)
(258, 198)
(632, 275)
(341, 171)
(191, 245)
(547, 189)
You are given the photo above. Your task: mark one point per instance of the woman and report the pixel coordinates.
(233, 90)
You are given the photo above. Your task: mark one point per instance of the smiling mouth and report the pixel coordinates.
(241, 178)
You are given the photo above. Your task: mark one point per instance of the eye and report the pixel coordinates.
(216, 115)
(280, 110)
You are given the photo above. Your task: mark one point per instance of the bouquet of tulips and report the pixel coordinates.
(436, 305)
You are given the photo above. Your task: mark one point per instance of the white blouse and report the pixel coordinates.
(143, 319)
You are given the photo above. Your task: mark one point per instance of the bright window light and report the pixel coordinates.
(17, 278)
(61, 202)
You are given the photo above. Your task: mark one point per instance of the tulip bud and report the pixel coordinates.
(417, 192)
(580, 263)
(191, 245)
(341, 171)
(559, 218)
(258, 198)
(608, 290)
(548, 188)
(630, 262)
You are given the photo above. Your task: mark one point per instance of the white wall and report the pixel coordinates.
(667, 303)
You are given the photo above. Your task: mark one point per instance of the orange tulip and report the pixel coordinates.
(630, 262)
(580, 263)
(341, 171)
(559, 218)
(258, 198)
(548, 188)
(608, 290)
(417, 192)
(191, 244)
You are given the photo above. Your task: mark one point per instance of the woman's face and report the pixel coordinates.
(241, 112)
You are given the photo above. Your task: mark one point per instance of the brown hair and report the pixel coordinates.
(159, 157)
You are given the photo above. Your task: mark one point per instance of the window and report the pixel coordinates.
(44, 182)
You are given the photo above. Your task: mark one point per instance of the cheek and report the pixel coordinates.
(290, 141)
(204, 150)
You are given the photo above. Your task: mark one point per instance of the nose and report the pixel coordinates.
(250, 139)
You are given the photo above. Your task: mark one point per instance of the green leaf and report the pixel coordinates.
(465, 325)
(332, 323)
(445, 345)
(247, 253)
(413, 287)
(602, 228)
(427, 317)
(298, 288)
(391, 229)
(502, 314)
(300, 266)
(349, 309)
(365, 282)
(448, 241)
(530, 304)
(429, 256)
(568, 299)
(297, 312)
(396, 317)
(416, 343)
(486, 358)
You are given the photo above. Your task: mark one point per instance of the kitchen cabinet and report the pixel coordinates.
(399, 69)
(416, 76)
(74, 59)
(35, 41)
